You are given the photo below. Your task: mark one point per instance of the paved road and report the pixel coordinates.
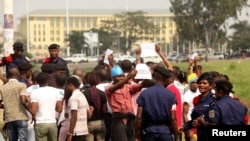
(72, 66)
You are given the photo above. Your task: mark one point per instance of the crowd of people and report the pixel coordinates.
(110, 104)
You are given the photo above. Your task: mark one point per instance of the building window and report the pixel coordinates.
(52, 39)
(57, 39)
(170, 32)
(43, 39)
(34, 39)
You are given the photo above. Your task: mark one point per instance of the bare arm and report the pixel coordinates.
(138, 55)
(119, 84)
(105, 108)
(173, 124)
(197, 70)
(1, 104)
(73, 121)
(59, 106)
(164, 59)
(138, 123)
(90, 112)
(25, 100)
(185, 111)
(33, 108)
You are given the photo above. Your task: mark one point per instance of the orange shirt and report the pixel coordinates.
(120, 101)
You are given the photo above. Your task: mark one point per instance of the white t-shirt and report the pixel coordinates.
(188, 98)
(46, 98)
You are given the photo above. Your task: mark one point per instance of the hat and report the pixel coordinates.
(24, 66)
(116, 70)
(192, 77)
(18, 45)
(162, 71)
(60, 67)
(54, 46)
(47, 68)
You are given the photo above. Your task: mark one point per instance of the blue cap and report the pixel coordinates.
(116, 70)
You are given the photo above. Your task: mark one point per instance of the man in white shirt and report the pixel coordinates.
(45, 102)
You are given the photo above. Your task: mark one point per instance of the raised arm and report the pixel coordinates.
(138, 55)
(119, 84)
(164, 59)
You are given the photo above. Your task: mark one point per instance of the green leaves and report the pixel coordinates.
(132, 25)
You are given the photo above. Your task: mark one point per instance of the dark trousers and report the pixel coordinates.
(157, 137)
(108, 121)
(79, 138)
(120, 130)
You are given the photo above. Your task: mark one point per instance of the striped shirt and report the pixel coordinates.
(78, 102)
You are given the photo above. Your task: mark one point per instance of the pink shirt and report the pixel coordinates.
(120, 101)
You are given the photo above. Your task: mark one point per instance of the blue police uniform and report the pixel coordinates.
(156, 102)
(227, 111)
(26, 82)
(59, 61)
(14, 63)
(202, 109)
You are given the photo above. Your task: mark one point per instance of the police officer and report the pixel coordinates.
(202, 104)
(54, 58)
(226, 110)
(156, 114)
(25, 73)
(14, 59)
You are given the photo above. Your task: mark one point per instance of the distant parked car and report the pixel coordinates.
(93, 59)
(182, 58)
(216, 55)
(118, 58)
(155, 59)
(76, 58)
(172, 57)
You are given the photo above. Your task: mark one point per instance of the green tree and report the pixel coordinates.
(132, 26)
(241, 36)
(76, 41)
(202, 20)
(105, 38)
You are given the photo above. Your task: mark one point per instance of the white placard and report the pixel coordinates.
(148, 49)
(91, 39)
(107, 53)
(143, 72)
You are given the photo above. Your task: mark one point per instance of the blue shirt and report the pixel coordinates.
(60, 61)
(26, 82)
(202, 109)
(156, 102)
(15, 62)
(227, 111)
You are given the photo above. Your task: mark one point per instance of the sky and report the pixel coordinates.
(20, 6)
